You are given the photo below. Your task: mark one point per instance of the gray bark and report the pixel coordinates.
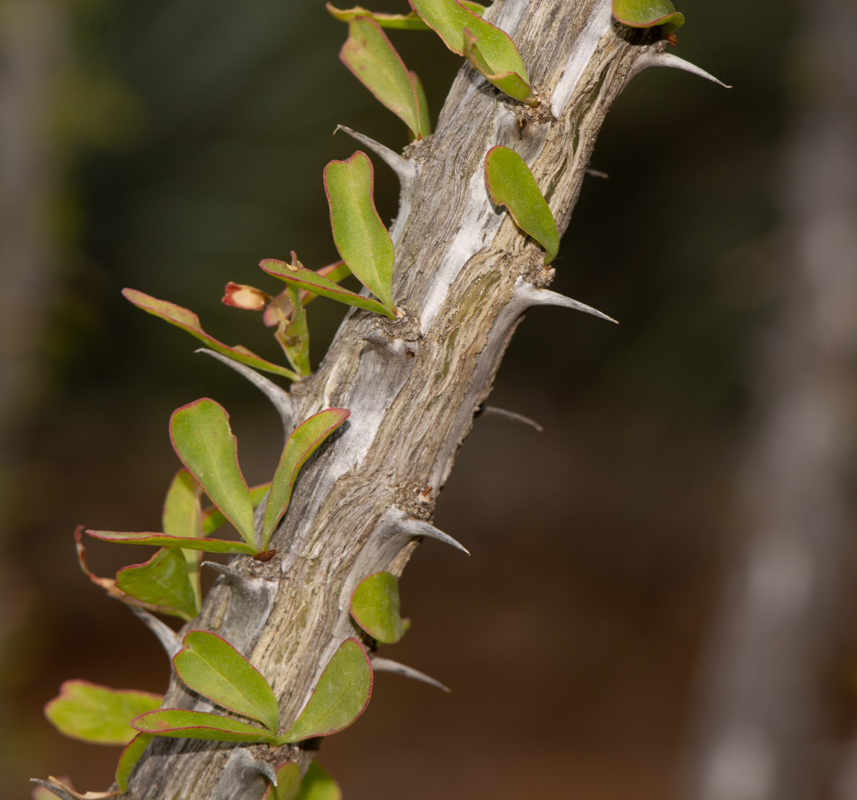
(764, 718)
(465, 275)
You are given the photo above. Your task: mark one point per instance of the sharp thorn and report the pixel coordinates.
(594, 173)
(655, 59)
(509, 416)
(528, 296)
(386, 665)
(397, 521)
(165, 635)
(405, 169)
(240, 766)
(280, 398)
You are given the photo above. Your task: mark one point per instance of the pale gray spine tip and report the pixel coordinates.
(397, 521)
(508, 416)
(527, 296)
(655, 59)
(278, 396)
(405, 169)
(165, 635)
(386, 665)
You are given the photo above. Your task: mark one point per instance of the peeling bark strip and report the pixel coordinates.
(464, 277)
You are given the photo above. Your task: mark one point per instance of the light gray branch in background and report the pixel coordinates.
(763, 715)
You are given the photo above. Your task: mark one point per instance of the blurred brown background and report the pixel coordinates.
(658, 600)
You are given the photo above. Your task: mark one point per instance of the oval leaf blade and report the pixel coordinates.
(359, 235)
(212, 519)
(374, 61)
(130, 756)
(314, 283)
(341, 695)
(177, 723)
(375, 606)
(98, 714)
(647, 14)
(188, 321)
(450, 19)
(211, 666)
(319, 785)
(301, 444)
(288, 782)
(182, 517)
(162, 540)
(162, 581)
(204, 442)
(511, 184)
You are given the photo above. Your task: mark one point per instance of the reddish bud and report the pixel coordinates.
(247, 297)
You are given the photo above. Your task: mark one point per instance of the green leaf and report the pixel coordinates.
(318, 785)
(647, 14)
(212, 667)
(498, 54)
(288, 782)
(177, 723)
(375, 606)
(182, 517)
(359, 235)
(406, 22)
(132, 753)
(204, 442)
(422, 102)
(212, 519)
(301, 444)
(511, 184)
(161, 581)
(293, 335)
(162, 540)
(374, 61)
(508, 82)
(341, 695)
(295, 273)
(189, 322)
(98, 714)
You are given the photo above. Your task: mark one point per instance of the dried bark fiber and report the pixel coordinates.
(414, 386)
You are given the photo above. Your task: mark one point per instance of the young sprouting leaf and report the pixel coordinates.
(318, 785)
(212, 667)
(406, 22)
(212, 518)
(310, 281)
(498, 54)
(182, 517)
(188, 321)
(204, 442)
(162, 581)
(98, 714)
(422, 103)
(359, 235)
(162, 540)
(301, 444)
(280, 307)
(341, 695)
(177, 723)
(293, 335)
(510, 83)
(374, 61)
(132, 753)
(247, 298)
(511, 184)
(647, 14)
(288, 782)
(375, 606)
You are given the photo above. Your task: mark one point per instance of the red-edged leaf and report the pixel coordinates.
(189, 322)
(162, 540)
(177, 723)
